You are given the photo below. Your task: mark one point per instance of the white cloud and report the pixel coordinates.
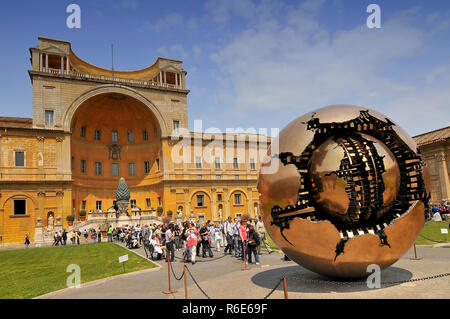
(295, 63)
(170, 21)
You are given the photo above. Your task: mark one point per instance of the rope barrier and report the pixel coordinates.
(274, 288)
(173, 272)
(193, 279)
(442, 242)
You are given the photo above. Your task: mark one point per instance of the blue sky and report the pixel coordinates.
(253, 63)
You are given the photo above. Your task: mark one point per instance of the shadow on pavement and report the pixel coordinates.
(302, 280)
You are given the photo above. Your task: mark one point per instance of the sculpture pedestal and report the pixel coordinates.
(39, 234)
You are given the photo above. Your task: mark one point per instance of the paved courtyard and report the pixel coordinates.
(221, 276)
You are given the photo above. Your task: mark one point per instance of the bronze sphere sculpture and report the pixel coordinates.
(349, 191)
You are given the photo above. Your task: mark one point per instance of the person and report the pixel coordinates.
(228, 231)
(73, 237)
(99, 235)
(94, 236)
(253, 242)
(27, 240)
(191, 242)
(236, 238)
(64, 238)
(78, 237)
(205, 235)
(110, 231)
(243, 238)
(170, 243)
(261, 230)
(218, 236)
(154, 241)
(85, 234)
(55, 239)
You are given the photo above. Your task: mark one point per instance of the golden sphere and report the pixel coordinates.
(347, 191)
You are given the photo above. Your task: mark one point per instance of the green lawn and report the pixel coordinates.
(432, 230)
(28, 273)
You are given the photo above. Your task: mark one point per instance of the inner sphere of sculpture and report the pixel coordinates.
(333, 172)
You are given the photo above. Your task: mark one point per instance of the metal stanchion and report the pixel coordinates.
(245, 258)
(185, 282)
(285, 288)
(170, 291)
(415, 254)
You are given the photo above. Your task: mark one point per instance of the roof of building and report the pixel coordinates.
(16, 122)
(433, 136)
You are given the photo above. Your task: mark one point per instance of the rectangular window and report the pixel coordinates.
(98, 205)
(156, 132)
(145, 135)
(98, 168)
(114, 136)
(218, 177)
(20, 159)
(133, 203)
(115, 169)
(200, 200)
(199, 176)
(97, 135)
(83, 166)
(49, 118)
(131, 169)
(148, 202)
(235, 163)
(83, 131)
(219, 197)
(130, 137)
(252, 163)
(217, 160)
(236, 176)
(146, 167)
(20, 207)
(237, 199)
(176, 127)
(157, 164)
(198, 162)
(83, 205)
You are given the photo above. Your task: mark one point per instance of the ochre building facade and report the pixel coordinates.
(92, 126)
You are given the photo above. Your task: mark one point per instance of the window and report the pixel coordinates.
(217, 160)
(20, 159)
(49, 118)
(72, 163)
(130, 137)
(83, 166)
(176, 126)
(20, 207)
(98, 168)
(236, 176)
(237, 199)
(131, 169)
(115, 169)
(157, 164)
(218, 177)
(133, 203)
(114, 136)
(148, 202)
(219, 197)
(97, 135)
(83, 131)
(98, 205)
(198, 162)
(199, 176)
(159, 201)
(156, 132)
(145, 135)
(83, 205)
(146, 167)
(200, 200)
(252, 163)
(235, 163)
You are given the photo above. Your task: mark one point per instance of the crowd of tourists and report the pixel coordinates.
(240, 238)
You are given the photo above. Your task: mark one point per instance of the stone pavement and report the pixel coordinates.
(219, 277)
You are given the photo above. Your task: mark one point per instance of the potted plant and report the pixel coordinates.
(159, 211)
(82, 215)
(169, 214)
(70, 219)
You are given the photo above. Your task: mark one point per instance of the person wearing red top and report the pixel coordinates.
(243, 237)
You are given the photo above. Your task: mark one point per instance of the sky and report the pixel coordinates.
(251, 63)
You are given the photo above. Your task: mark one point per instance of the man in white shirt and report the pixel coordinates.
(228, 230)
